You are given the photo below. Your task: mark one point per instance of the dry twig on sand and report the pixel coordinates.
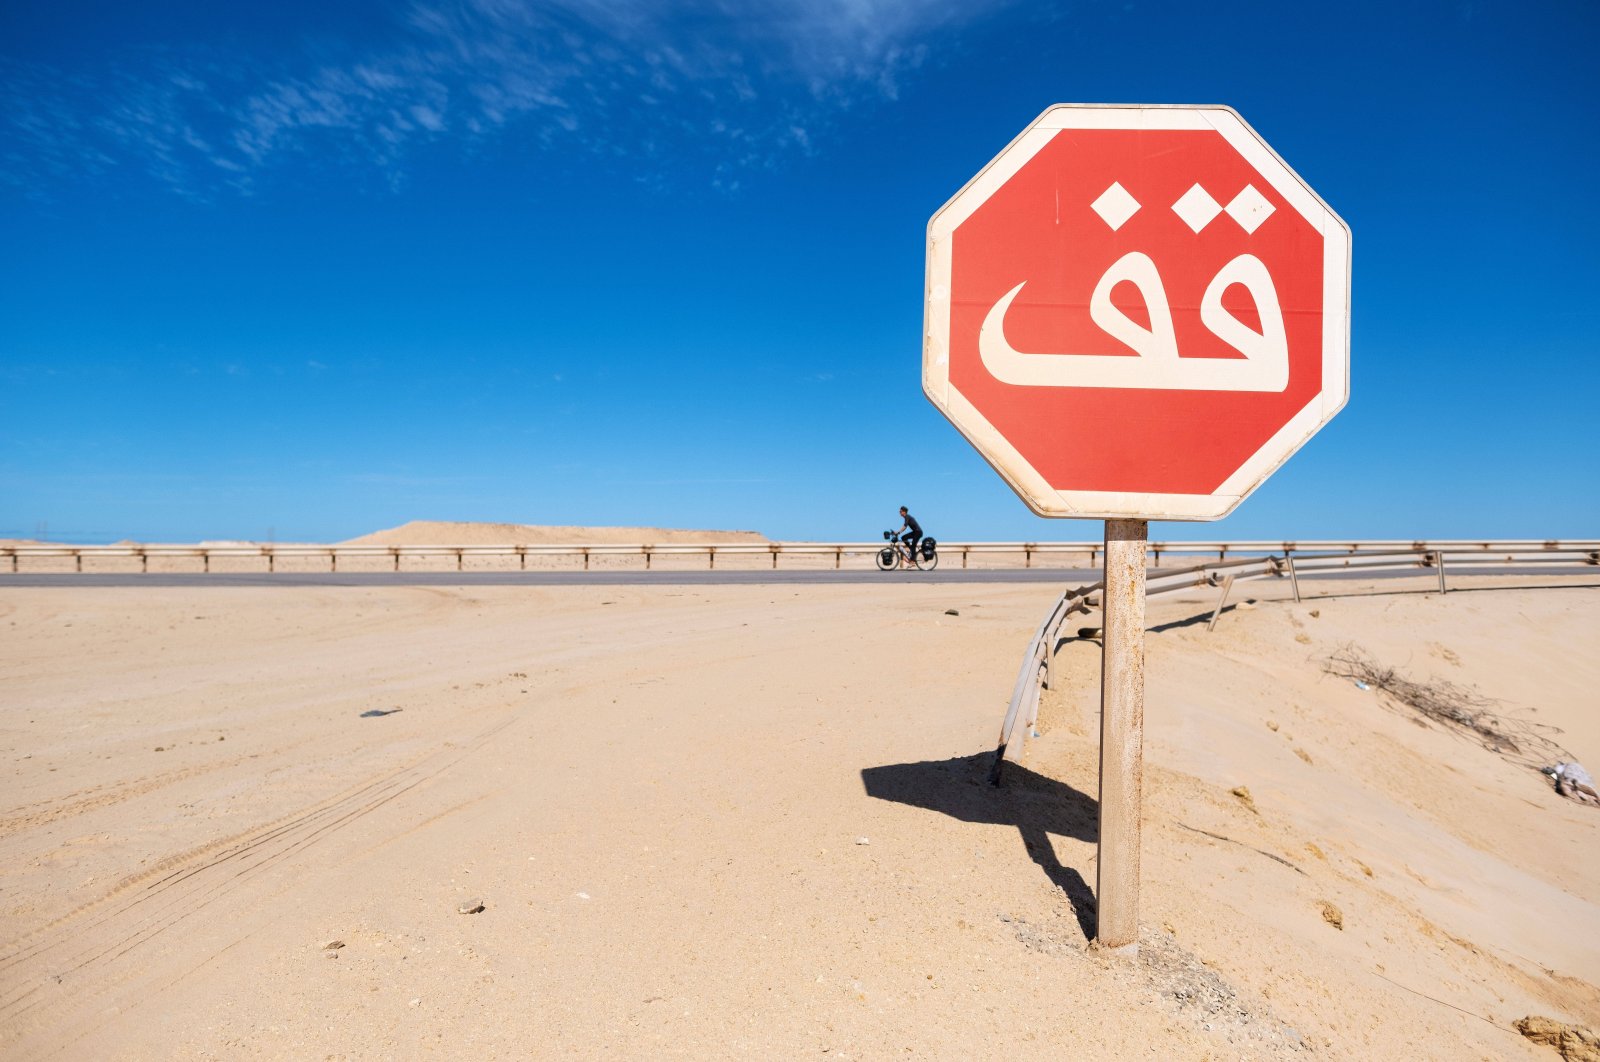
(1457, 708)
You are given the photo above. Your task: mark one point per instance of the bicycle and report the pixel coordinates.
(897, 555)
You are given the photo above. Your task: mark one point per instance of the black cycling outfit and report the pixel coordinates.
(913, 534)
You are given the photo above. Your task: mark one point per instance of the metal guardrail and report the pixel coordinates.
(1037, 672)
(1504, 551)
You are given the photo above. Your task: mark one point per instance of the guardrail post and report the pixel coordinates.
(964, 551)
(333, 560)
(1121, 735)
(144, 561)
(205, 561)
(272, 557)
(459, 561)
(585, 551)
(1438, 558)
(1031, 727)
(522, 558)
(1294, 580)
(1227, 584)
(711, 556)
(13, 562)
(77, 556)
(646, 551)
(1027, 556)
(838, 557)
(774, 551)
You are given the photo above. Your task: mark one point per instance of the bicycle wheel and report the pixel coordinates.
(886, 559)
(927, 564)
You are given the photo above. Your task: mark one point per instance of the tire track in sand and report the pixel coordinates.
(81, 953)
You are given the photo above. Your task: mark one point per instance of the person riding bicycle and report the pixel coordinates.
(912, 529)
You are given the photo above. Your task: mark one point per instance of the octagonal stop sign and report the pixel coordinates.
(1137, 312)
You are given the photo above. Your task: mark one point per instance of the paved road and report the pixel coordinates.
(591, 578)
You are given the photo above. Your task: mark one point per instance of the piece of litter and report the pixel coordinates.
(863, 840)
(1362, 685)
(951, 612)
(1573, 781)
(470, 907)
(417, 1002)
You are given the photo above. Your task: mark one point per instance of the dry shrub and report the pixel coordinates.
(1454, 707)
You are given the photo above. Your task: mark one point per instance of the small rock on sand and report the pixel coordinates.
(469, 907)
(1576, 1043)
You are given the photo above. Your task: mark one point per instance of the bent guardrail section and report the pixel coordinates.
(1037, 672)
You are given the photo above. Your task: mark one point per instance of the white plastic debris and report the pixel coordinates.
(1574, 782)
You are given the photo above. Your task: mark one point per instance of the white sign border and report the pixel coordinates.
(1029, 485)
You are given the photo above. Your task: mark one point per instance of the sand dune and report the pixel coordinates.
(738, 821)
(443, 533)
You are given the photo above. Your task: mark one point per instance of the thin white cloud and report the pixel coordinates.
(732, 85)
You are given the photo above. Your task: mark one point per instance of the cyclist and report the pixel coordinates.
(913, 532)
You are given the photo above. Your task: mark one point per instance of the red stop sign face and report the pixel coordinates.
(1137, 312)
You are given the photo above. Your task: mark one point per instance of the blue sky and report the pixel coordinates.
(311, 269)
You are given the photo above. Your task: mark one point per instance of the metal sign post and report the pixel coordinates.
(1228, 350)
(1121, 735)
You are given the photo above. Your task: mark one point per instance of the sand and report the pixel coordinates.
(455, 533)
(746, 822)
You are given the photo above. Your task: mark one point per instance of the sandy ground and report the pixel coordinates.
(456, 533)
(746, 822)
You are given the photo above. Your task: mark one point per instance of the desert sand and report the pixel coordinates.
(747, 822)
(457, 533)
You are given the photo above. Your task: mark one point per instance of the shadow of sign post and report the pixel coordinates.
(1032, 804)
